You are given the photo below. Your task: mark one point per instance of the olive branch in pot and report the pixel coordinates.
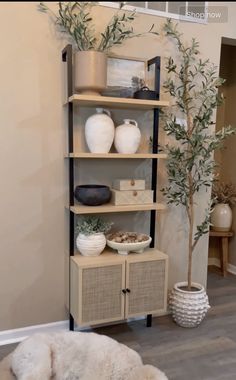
(75, 19)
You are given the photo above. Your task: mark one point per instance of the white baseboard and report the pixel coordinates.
(216, 262)
(17, 335)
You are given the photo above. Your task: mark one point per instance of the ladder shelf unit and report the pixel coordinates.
(75, 209)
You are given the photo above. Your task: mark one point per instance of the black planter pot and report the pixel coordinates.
(145, 93)
(92, 195)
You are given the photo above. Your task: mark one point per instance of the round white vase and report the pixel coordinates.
(221, 217)
(127, 137)
(188, 308)
(99, 131)
(91, 245)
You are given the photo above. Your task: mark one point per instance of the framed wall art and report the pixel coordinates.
(124, 75)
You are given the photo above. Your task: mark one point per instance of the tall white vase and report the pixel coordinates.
(127, 137)
(221, 217)
(99, 131)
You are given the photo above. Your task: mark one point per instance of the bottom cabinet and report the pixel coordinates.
(112, 287)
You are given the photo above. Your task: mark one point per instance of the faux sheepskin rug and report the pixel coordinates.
(79, 356)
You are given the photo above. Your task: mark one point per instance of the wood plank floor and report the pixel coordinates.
(205, 353)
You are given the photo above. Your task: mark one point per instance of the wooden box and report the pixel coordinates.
(131, 197)
(129, 184)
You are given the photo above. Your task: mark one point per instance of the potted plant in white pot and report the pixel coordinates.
(223, 197)
(193, 85)
(91, 240)
(90, 60)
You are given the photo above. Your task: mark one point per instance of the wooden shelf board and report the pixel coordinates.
(221, 233)
(113, 102)
(109, 255)
(117, 155)
(109, 208)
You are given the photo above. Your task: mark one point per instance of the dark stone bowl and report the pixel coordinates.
(92, 195)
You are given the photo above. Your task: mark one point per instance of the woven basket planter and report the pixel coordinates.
(188, 308)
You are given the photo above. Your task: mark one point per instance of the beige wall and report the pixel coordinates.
(33, 187)
(227, 116)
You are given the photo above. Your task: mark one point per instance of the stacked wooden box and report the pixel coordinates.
(130, 191)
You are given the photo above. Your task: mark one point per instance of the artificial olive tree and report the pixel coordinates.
(193, 85)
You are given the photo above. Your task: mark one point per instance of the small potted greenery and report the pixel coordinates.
(91, 240)
(90, 61)
(224, 197)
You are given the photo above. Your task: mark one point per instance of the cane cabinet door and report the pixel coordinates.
(146, 286)
(99, 295)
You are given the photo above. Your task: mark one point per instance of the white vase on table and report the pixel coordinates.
(221, 217)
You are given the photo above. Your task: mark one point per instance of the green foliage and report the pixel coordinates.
(193, 85)
(92, 225)
(74, 18)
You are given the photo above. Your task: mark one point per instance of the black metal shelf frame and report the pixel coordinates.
(67, 56)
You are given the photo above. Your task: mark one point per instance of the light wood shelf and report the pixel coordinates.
(113, 256)
(110, 208)
(117, 155)
(113, 102)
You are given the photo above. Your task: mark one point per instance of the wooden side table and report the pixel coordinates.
(224, 257)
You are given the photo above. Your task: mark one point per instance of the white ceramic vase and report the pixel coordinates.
(221, 217)
(127, 137)
(99, 131)
(91, 245)
(188, 308)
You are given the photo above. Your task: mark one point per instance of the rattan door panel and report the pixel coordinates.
(101, 294)
(147, 283)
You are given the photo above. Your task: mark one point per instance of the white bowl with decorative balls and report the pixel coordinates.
(125, 242)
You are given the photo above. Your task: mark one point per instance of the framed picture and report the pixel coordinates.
(123, 76)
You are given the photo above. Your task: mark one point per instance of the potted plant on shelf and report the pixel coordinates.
(193, 85)
(91, 240)
(223, 197)
(75, 19)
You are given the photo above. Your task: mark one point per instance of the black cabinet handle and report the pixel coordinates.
(124, 291)
(128, 290)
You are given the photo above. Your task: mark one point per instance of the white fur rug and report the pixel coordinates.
(79, 356)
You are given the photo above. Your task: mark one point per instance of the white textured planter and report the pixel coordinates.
(188, 308)
(99, 131)
(91, 245)
(221, 217)
(127, 137)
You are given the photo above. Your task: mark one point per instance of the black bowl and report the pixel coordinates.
(92, 195)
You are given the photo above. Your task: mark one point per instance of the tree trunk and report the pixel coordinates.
(190, 236)
(190, 254)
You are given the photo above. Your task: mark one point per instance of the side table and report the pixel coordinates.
(224, 236)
